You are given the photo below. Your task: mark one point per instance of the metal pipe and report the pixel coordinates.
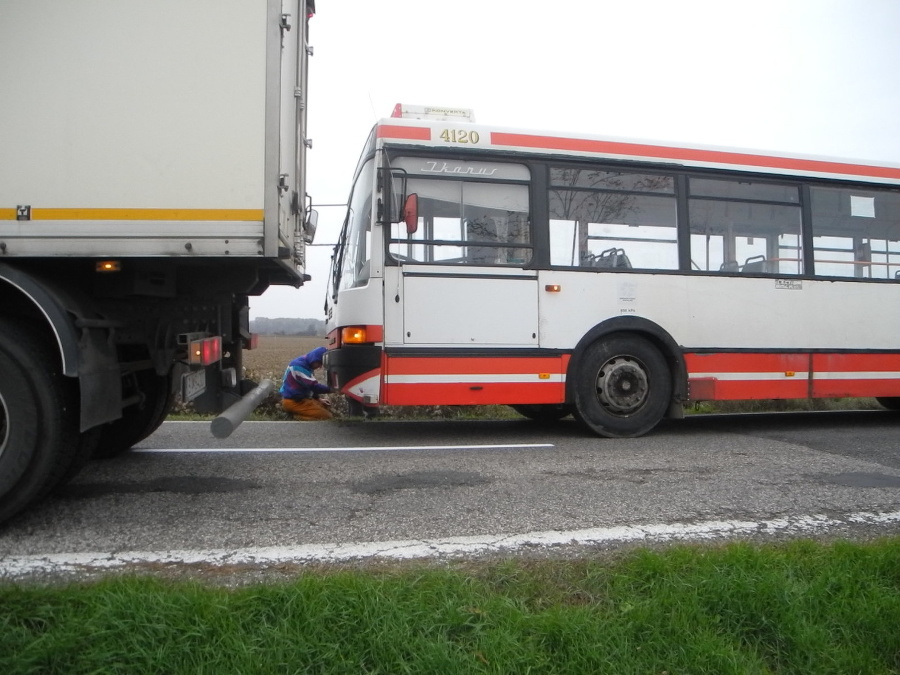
(230, 419)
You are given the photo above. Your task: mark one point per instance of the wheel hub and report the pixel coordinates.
(622, 385)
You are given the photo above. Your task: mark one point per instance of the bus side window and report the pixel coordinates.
(611, 258)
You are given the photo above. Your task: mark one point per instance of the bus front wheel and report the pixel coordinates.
(623, 386)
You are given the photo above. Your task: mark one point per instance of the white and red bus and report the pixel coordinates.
(613, 280)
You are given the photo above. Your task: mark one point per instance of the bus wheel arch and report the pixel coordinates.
(624, 376)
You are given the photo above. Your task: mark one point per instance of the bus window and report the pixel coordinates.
(856, 233)
(465, 222)
(740, 226)
(607, 219)
(357, 235)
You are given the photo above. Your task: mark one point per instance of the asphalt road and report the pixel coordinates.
(320, 487)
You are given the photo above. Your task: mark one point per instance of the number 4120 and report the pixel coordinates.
(459, 136)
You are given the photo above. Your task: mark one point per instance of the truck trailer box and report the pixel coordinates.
(167, 128)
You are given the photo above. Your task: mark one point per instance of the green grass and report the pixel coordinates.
(270, 410)
(792, 608)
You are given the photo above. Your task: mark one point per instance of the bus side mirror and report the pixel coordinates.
(411, 213)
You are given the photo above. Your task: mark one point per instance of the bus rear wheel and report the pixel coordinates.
(623, 386)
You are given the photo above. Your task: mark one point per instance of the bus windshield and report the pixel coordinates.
(352, 260)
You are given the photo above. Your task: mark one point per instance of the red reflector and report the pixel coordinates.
(206, 351)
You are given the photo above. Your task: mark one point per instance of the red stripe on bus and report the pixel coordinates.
(488, 393)
(473, 393)
(855, 388)
(409, 133)
(710, 389)
(740, 362)
(717, 377)
(416, 365)
(691, 155)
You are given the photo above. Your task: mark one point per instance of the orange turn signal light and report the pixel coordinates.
(108, 266)
(354, 335)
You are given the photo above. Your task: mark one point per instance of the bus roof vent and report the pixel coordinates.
(433, 112)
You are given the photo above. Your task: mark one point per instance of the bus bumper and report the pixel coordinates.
(355, 371)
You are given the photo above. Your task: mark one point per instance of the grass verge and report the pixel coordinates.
(801, 607)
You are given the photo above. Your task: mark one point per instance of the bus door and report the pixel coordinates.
(462, 255)
(464, 302)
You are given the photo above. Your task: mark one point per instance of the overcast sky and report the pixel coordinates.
(818, 77)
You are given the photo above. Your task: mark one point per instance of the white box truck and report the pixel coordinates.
(152, 177)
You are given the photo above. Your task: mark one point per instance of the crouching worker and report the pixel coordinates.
(300, 390)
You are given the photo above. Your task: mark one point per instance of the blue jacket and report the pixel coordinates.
(299, 381)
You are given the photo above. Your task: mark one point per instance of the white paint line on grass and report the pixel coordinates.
(12, 567)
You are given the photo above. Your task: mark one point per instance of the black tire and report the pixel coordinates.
(889, 402)
(543, 414)
(39, 437)
(357, 409)
(623, 386)
(140, 420)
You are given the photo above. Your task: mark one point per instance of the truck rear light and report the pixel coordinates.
(252, 342)
(205, 351)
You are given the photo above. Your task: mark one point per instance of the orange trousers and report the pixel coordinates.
(306, 409)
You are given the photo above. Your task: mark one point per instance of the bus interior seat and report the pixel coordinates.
(755, 263)
(611, 258)
(730, 266)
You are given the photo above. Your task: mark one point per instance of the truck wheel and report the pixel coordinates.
(38, 418)
(140, 420)
(623, 386)
(543, 413)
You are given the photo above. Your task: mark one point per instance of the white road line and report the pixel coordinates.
(12, 567)
(372, 448)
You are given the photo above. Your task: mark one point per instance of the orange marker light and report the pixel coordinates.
(354, 335)
(553, 288)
